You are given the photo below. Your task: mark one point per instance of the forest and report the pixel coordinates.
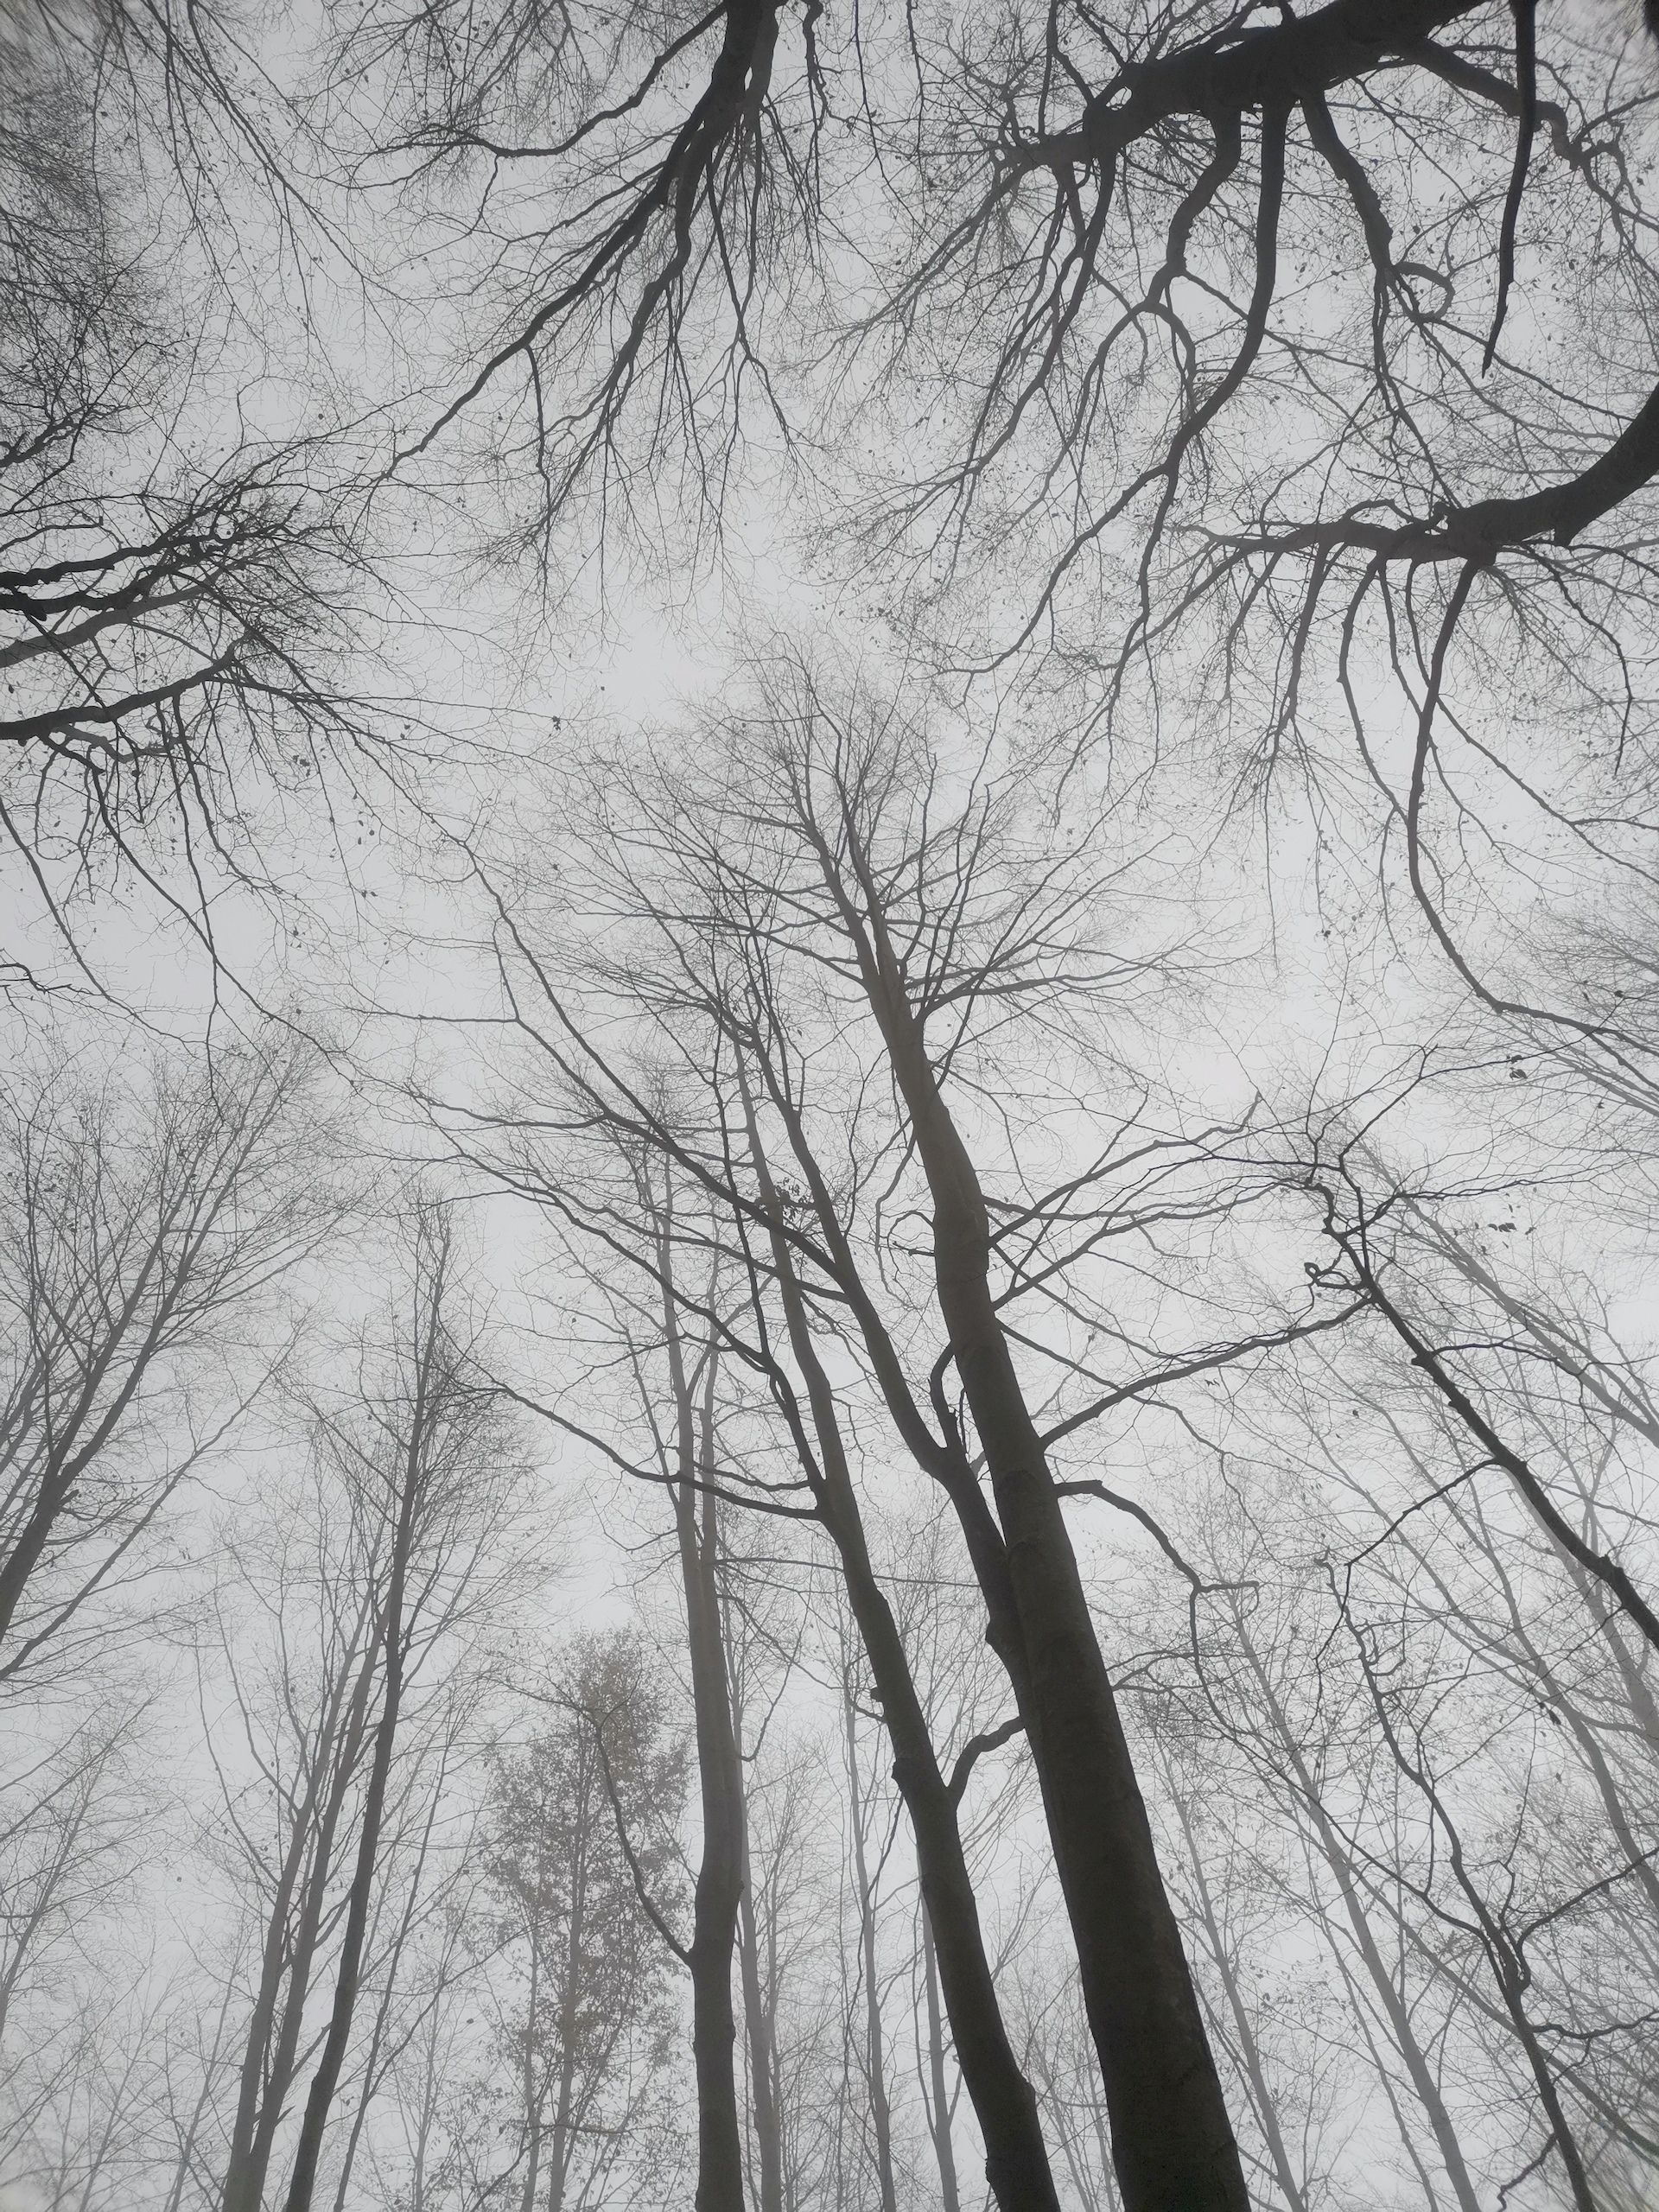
(830, 1106)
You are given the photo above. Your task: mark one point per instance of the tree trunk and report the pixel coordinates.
(1172, 2144)
(1016, 2158)
(720, 1872)
(269, 2054)
(570, 1994)
(874, 2053)
(349, 1972)
(1250, 2052)
(762, 2039)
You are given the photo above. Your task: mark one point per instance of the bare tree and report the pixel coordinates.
(433, 1440)
(909, 911)
(142, 1220)
(415, 1478)
(816, 1441)
(578, 1855)
(1196, 354)
(191, 597)
(865, 1839)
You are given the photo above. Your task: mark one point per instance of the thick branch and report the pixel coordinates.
(1276, 66)
(975, 1750)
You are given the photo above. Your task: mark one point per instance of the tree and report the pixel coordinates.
(144, 1220)
(578, 1835)
(619, 1224)
(823, 842)
(425, 1461)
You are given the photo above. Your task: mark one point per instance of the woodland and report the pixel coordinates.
(829, 1106)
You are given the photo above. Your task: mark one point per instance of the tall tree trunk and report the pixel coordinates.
(182, 2170)
(569, 1996)
(326, 2080)
(535, 2092)
(1016, 2158)
(1173, 2143)
(371, 2065)
(875, 2064)
(720, 1872)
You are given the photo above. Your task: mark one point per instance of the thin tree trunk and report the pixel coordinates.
(187, 2144)
(762, 2038)
(1584, 1734)
(1394, 2005)
(875, 2052)
(1510, 1968)
(326, 2081)
(720, 1872)
(569, 1995)
(360, 2117)
(269, 2056)
(535, 2093)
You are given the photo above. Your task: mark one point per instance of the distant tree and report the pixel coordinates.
(579, 1832)
(392, 1557)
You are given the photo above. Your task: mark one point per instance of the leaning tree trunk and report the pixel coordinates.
(1016, 2157)
(1173, 2143)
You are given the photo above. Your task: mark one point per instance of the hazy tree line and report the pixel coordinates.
(882, 1435)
